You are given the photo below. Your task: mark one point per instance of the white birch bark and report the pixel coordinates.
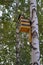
(35, 52)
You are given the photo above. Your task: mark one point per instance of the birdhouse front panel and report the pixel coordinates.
(24, 25)
(24, 29)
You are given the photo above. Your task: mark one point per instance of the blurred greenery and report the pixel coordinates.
(8, 15)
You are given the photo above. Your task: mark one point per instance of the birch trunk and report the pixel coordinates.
(35, 52)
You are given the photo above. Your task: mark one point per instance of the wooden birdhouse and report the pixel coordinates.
(25, 26)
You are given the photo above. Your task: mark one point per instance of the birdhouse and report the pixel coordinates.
(25, 26)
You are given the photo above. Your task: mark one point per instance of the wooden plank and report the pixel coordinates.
(24, 30)
(24, 20)
(25, 23)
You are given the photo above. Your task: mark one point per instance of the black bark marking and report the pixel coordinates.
(31, 3)
(39, 58)
(33, 47)
(37, 24)
(17, 51)
(34, 6)
(34, 43)
(33, 21)
(34, 34)
(33, 11)
(30, 23)
(35, 63)
(36, 52)
(33, 27)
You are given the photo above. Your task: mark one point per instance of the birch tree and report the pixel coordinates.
(35, 52)
(17, 38)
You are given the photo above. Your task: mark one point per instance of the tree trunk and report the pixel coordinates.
(17, 47)
(35, 52)
(17, 44)
(17, 37)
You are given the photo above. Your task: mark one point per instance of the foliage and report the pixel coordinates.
(8, 32)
